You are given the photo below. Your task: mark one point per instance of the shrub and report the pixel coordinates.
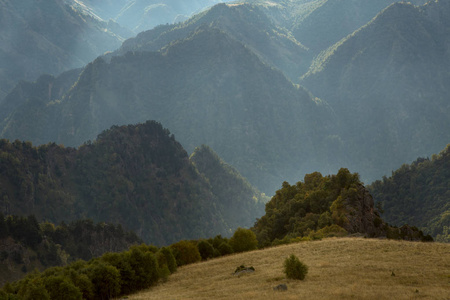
(169, 259)
(60, 287)
(206, 249)
(185, 253)
(225, 249)
(294, 268)
(145, 267)
(34, 291)
(243, 240)
(105, 279)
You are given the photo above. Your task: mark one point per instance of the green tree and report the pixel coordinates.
(225, 248)
(61, 288)
(169, 259)
(294, 268)
(243, 240)
(106, 280)
(36, 291)
(206, 249)
(145, 267)
(185, 252)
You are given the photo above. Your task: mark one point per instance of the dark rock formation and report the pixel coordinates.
(361, 214)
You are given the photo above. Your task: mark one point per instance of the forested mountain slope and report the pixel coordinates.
(418, 194)
(138, 176)
(38, 37)
(27, 245)
(230, 187)
(387, 83)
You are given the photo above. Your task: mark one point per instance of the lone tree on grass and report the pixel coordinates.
(294, 268)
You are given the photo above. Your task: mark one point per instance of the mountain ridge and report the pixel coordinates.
(137, 175)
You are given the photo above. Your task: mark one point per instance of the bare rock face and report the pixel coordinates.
(362, 216)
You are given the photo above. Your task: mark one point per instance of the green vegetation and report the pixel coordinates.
(232, 190)
(294, 268)
(27, 244)
(243, 240)
(106, 277)
(418, 194)
(324, 206)
(117, 273)
(138, 171)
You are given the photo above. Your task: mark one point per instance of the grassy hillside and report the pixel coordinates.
(339, 268)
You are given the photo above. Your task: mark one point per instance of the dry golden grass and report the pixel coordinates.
(339, 268)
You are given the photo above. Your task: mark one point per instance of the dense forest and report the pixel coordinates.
(26, 245)
(418, 194)
(136, 175)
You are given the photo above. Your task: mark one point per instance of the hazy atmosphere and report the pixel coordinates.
(162, 133)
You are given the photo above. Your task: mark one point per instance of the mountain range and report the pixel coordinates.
(238, 96)
(279, 89)
(224, 78)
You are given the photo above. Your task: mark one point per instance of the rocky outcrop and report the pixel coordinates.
(280, 288)
(362, 216)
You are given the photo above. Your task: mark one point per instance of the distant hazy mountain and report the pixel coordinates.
(38, 37)
(138, 176)
(246, 23)
(326, 22)
(388, 83)
(318, 24)
(418, 194)
(140, 15)
(208, 89)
